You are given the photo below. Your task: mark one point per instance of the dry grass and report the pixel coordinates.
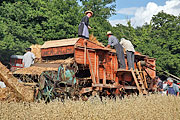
(34, 70)
(134, 108)
(94, 39)
(36, 49)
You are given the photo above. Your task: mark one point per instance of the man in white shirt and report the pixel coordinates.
(129, 52)
(28, 58)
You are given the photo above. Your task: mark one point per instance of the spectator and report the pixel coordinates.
(159, 83)
(28, 58)
(171, 88)
(164, 85)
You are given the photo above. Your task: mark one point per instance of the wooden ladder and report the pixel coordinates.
(139, 81)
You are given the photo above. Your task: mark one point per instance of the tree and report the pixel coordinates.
(26, 22)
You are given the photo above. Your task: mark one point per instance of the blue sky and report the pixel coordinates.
(132, 3)
(141, 11)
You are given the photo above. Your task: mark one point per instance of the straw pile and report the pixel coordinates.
(7, 94)
(23, 92)
(93, 39)
(34, 70)
(36, 49)
(62, 61)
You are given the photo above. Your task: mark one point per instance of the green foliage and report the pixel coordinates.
(26, 22)
(101, 8)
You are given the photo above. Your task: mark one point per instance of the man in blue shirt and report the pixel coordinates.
(172, 88)
(114, 42)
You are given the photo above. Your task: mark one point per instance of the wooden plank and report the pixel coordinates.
(145, 81)
(84, 54)
(104, 76)
(57, 51)
(97, 69)
(91, 68)
(140, 72)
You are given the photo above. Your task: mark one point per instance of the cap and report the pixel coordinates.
(170, 79)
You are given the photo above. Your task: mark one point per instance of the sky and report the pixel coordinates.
(141, 11)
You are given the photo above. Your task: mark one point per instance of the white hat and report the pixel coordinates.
(109, 33)
(170, 79)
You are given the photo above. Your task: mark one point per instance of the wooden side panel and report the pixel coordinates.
(57, 51)
(99, 60)
(111, 65)
(151, 72)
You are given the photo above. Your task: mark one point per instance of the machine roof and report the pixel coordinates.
(58, 43)
(17, 56)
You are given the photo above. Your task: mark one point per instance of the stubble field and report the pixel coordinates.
(153, 107)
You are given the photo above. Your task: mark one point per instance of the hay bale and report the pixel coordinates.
(94, 39)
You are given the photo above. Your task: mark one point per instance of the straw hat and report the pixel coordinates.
(89, 11)
(109, 33)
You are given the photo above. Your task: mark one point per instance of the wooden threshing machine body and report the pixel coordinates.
(100, 61)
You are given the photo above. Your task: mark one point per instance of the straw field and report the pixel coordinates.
(153, 107)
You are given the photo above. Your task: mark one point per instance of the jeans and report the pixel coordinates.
(120, 55)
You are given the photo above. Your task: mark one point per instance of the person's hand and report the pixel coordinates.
(89, 27)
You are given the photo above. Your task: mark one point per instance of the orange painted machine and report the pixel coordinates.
(97, 67)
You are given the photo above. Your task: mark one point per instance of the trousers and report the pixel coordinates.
(120, 55)
(130, 59)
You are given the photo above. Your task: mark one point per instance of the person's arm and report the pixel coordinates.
(109, 42)
(177, 90)
(33, 56)
(177, 93)
(165, 88)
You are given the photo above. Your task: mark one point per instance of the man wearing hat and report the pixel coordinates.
(114, 42)
(84, 25)
(171, 88)
(28, 58)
